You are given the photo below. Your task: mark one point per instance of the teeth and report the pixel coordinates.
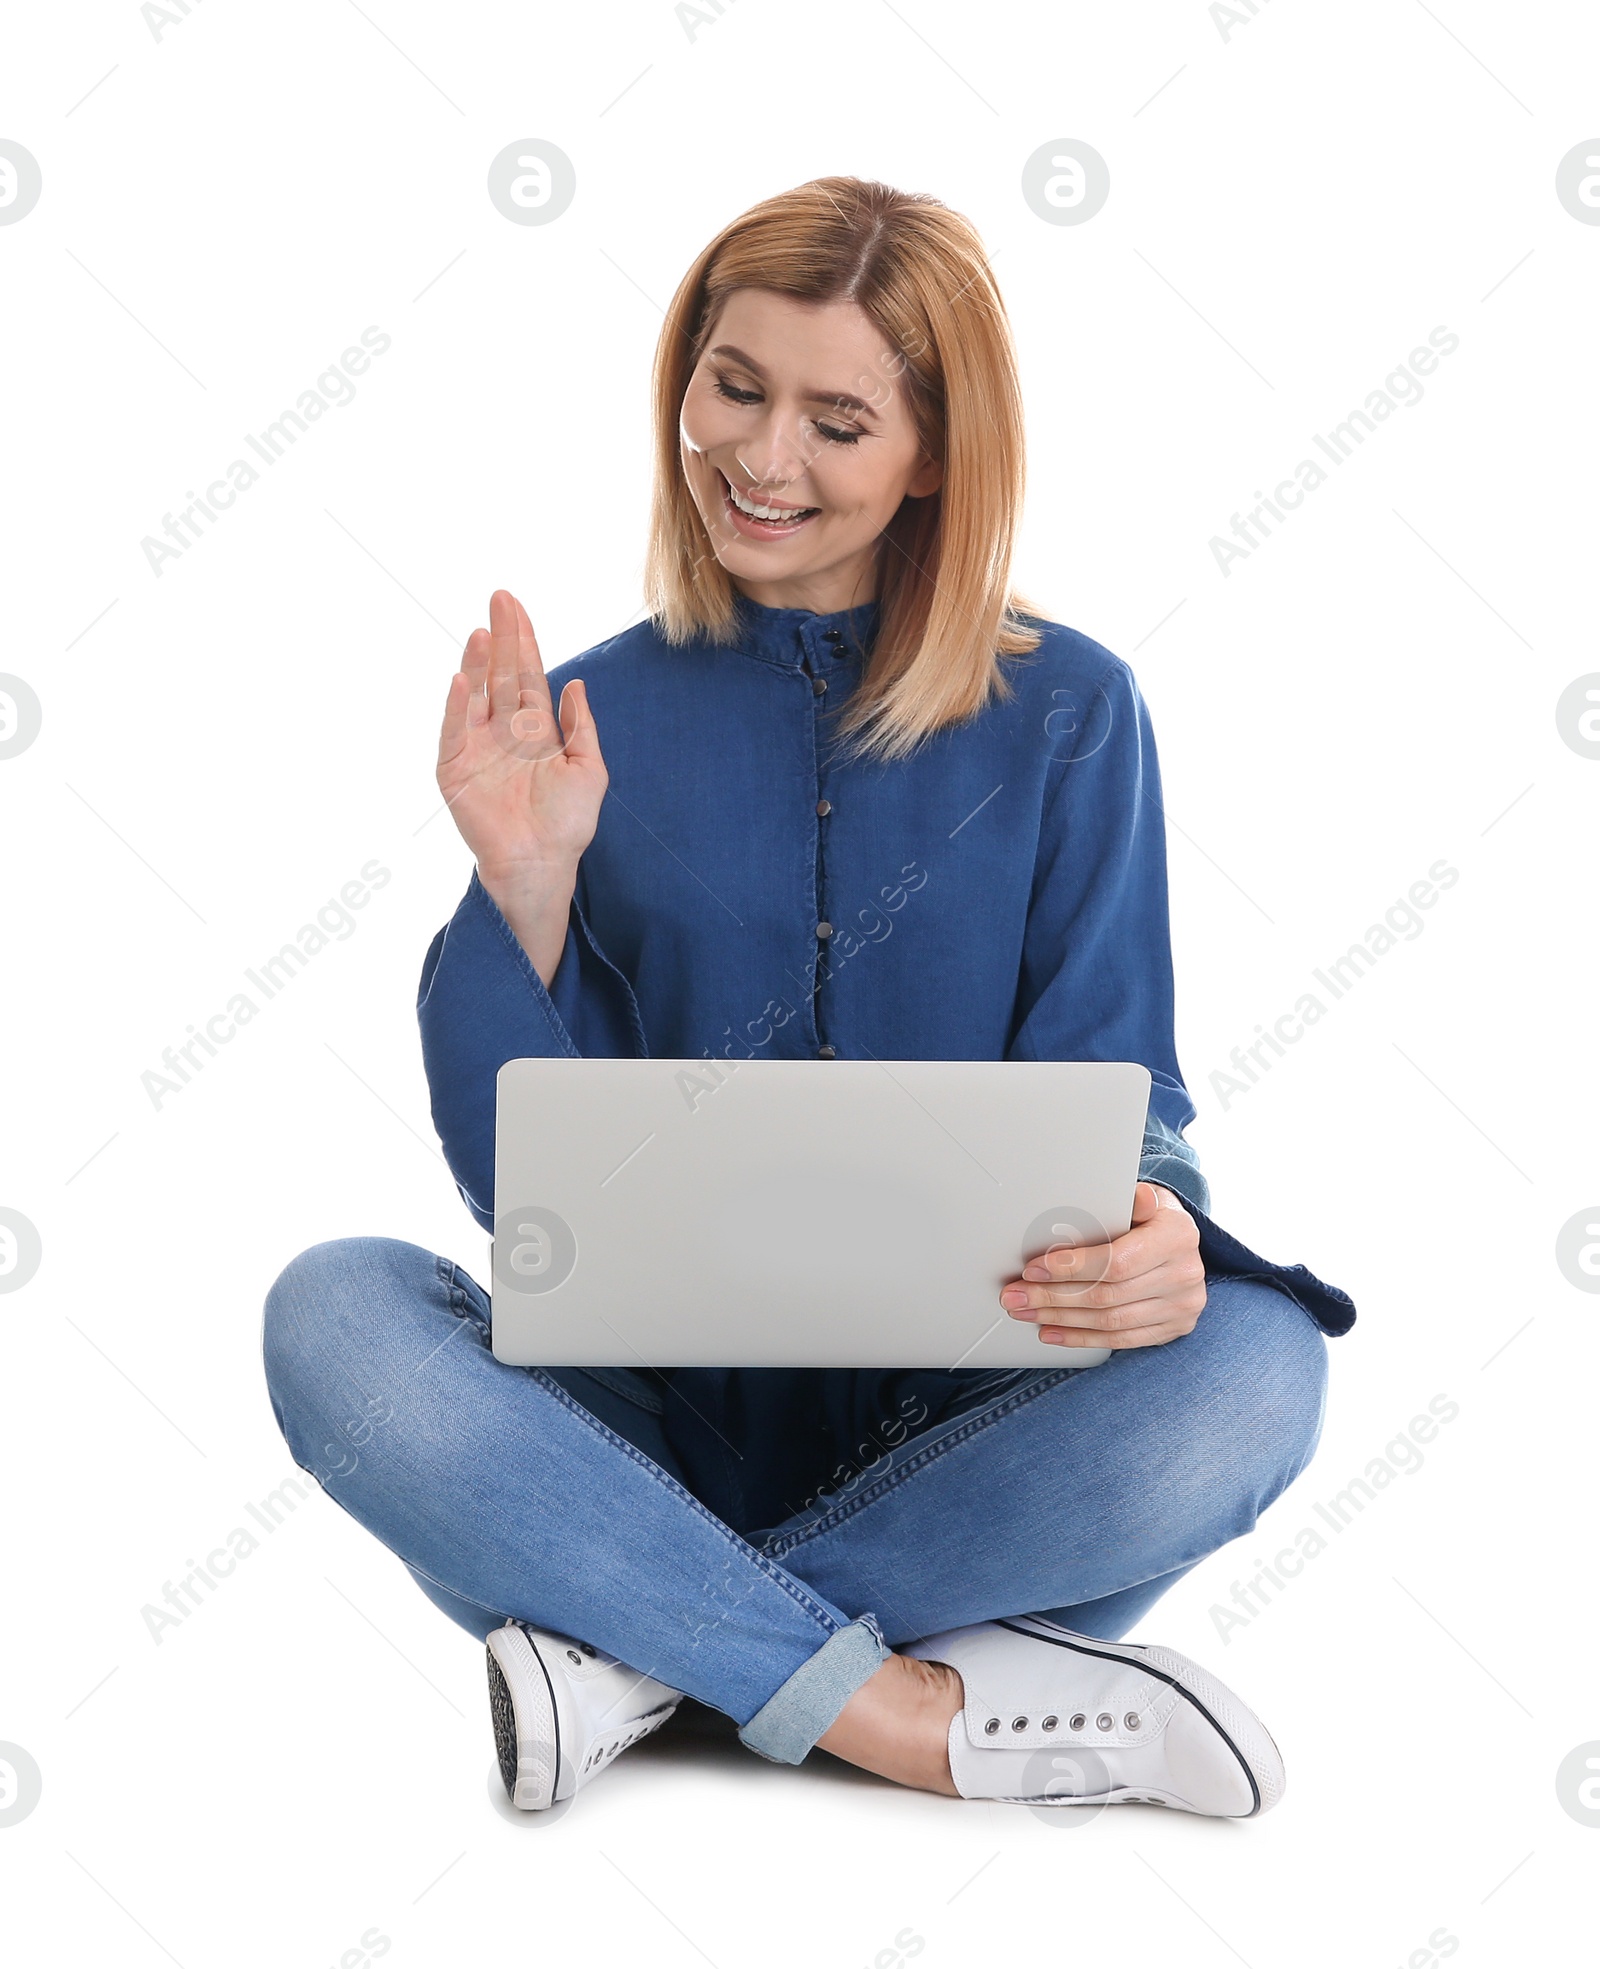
(765, 512)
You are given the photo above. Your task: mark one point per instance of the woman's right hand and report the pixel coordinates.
(525, 789)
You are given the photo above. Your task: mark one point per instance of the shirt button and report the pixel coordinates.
(818, 686)
(824, 930)
(824, 806)
(825, 1053)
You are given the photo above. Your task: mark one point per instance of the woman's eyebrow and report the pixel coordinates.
(837, 397)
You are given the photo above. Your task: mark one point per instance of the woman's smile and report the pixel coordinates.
(765, 518)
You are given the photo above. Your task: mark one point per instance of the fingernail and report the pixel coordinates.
(1034, 1271)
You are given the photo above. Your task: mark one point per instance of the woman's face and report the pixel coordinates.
(799, 410)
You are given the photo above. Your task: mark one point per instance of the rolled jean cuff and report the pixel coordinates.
(787, 1726)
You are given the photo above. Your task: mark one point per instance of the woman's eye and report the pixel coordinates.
(733, 394)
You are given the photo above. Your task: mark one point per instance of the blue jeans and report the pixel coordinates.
(552, 1496)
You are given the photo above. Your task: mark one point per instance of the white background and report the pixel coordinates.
(1295, 204)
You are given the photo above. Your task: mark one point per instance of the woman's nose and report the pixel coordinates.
(777, 455)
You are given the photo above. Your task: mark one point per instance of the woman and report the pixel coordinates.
(862, 803)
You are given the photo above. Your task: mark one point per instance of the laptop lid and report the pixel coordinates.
(798, 1213)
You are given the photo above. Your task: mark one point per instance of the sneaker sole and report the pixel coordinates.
(526, 1724)
(1239, 1728)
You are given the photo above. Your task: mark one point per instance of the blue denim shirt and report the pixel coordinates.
(999, 895)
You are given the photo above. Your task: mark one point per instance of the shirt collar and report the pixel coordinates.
(789, 636)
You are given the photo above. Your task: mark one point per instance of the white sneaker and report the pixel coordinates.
(1050, 1717)
(562, 1711)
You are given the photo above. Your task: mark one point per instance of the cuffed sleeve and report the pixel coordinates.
(1166, 1158)
(480, 1003)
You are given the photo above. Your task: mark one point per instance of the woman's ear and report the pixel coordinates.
(927, 478)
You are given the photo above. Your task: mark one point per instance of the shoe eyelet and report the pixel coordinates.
(1105, 1722)
(1019, 1722)
(574, 1657)
(1132, 1720)
(1049, 1722)
(991, 1726)
(1078, 1721)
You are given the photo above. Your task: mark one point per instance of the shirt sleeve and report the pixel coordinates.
(480, 1003)
(1096, 977)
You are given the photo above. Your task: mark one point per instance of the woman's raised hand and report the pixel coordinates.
(525, 789)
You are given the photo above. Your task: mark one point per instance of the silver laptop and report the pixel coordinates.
(798, 1213)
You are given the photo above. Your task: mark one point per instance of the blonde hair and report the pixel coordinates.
(947, 611)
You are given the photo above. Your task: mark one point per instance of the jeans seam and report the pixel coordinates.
(462, 1305)
(454, 1290)
(945, 1440)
